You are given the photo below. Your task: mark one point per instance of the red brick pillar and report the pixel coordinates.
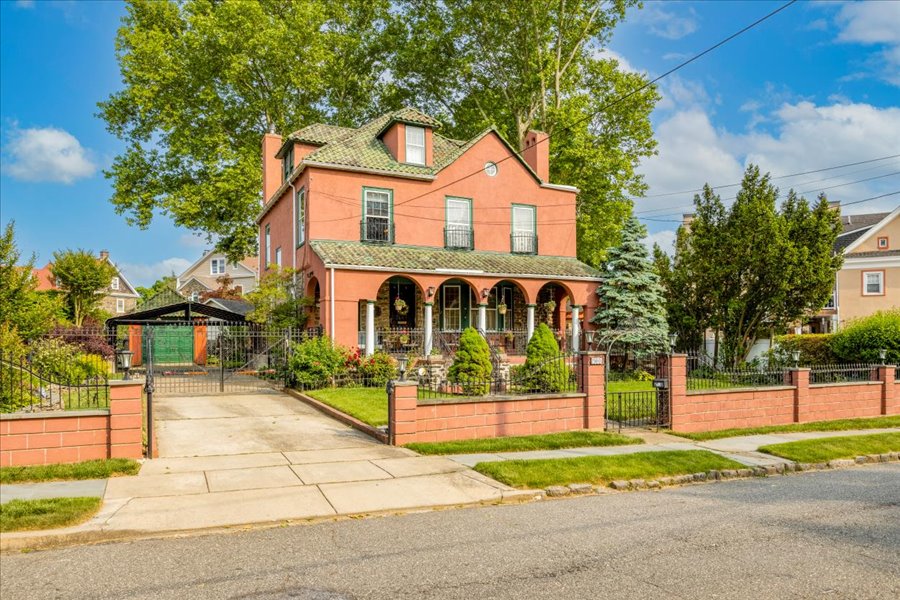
(674, 368)
(402, 414)
(126, 421)
(799, 378)
(593, 384)
(890, 399)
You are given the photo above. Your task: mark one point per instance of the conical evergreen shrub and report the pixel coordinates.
(471, 368)
(545, 369)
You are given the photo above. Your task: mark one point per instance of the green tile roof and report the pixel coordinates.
(401, 258)
(320, 134)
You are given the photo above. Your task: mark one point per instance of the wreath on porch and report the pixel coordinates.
(401, 306)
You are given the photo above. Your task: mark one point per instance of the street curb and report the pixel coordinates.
(339, 416)
(786, 468)
(27, 541)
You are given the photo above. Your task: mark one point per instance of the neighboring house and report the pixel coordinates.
(404, 237)
(118, 298)
(869, 279)
(203, 275)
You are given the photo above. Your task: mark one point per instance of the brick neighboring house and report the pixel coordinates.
(405, 237)
(118, 297)
(202, 276)
(869, 279)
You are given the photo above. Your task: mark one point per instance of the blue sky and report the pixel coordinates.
(816, 86)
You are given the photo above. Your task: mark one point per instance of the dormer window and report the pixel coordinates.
(287, 163)
(415, 145)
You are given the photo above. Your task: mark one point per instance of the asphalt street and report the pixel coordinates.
(833, 534)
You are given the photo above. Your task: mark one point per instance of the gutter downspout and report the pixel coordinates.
(331, 302)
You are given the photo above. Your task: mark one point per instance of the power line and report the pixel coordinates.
(715, 187)
(621, 98)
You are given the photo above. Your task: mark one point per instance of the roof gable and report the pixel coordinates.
(872, 230)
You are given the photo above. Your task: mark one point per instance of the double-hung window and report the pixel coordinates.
(114, 284)
(415, 145)
(452, 308)
(266, 245)
(217, 266)
(523, 238)
(287, 164)
(278, 257)
(873, 283)
(300, 211)
(458, 231)
(376, 223)
(120, 305)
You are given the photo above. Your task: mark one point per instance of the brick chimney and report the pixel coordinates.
(537, 153)
(271, 166)
(104, 255)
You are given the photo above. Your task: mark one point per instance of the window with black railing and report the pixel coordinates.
(523, 243)
(377, 230)
(459, 238)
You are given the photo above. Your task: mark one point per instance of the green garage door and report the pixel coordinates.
(172, 345)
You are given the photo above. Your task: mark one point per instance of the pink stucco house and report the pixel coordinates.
(405, 237)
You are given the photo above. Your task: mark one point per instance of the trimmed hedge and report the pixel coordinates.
(862, 339)
(815, 349)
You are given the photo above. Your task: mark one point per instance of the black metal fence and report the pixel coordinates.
(25, 387)
(553, 375)
(646, 408)
(842, 373)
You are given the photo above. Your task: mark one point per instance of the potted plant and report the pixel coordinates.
(401, 306)
(550, 305)
(404, 339)
(510, 336)
(501, 308)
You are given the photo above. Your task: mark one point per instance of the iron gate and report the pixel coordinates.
(215, 357)
(637, 393)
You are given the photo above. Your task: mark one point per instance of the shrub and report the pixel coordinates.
(862, 339)
(545, 368)
(12, 382)
(54, 359)
(377, 369)
(471, 367)
(317, 361)
(815, 349)
(93, 365)
(91, 338)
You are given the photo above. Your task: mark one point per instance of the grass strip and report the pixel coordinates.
(46, 513)
(550, 441)
(603, 469)
(825, 449)
(841, 425)
(369, 405)
(90, 469)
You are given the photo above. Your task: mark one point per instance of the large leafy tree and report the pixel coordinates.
(632, 305)
(160, 285)
(752, 267)
(204, 80)
(521, 65)
(81, 276)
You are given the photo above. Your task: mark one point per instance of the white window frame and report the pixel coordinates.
(415, 145)
(466, 203)
(114, 283)
(300, 211)
(387, 218)
(865, 283)
(278, 257)
(213, 270)
(120, 305)
(884, 239)
(268, 244)
(447, 311)
(521, 244)
(195, 296)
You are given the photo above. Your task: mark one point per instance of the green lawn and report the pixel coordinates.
(603, 469)
(629, 385)
(90, 469)
(369, 405)
(48, 513)
(842, 425)
(825, 449)
(550, 441)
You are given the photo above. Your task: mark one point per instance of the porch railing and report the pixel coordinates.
(379, 231)
(459, 238)
(399, 341)
(523, 243)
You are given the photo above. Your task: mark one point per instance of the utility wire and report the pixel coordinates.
(621, 98)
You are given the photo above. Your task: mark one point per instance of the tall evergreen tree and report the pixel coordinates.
(632, 306)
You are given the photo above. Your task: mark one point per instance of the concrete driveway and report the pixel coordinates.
(251, 458)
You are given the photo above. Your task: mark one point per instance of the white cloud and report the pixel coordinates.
(804, 136)
(47, 154)
(190, 240)
(874, 23)
(146, 274)
(665, 24)
(624, 65)
(665, 239)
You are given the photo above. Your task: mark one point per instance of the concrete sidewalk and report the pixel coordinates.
(743, 449)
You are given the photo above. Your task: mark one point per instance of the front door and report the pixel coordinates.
(403, 313)
(454, 307)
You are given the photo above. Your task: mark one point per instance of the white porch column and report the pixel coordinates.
(576, 328)
(529, 321)
(482, 317)
(370, 327)
(429, 341)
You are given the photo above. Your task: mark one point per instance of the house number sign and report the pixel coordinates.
(596, 360)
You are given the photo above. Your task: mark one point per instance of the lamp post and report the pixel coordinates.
(673, 339)
(795, 354)
(882, 354)
(589, 339)
(124, 357)
(401, 365)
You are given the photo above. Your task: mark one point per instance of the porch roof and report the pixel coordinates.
(361, 256)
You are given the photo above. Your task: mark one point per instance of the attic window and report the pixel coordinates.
(883, 243)
(287, 163)
(415, 145)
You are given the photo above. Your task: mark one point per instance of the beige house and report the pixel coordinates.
(118, 297)
(869, 279)
(203, 275)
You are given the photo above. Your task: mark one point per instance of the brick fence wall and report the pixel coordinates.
(799, 402)
(439, 420)
(73, 436)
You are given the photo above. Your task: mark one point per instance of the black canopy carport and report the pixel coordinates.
(183, 311)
